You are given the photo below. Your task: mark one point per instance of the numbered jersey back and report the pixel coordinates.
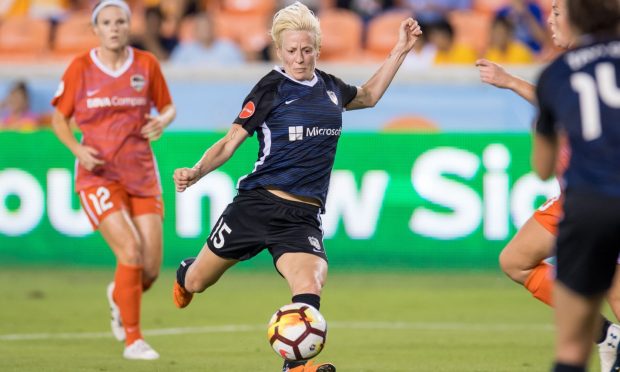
(579, 94)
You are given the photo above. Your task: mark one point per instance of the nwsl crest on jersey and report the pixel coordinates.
(314, 242)
(137, 82)
(333, 97)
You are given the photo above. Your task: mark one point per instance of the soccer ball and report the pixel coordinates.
(297, 332)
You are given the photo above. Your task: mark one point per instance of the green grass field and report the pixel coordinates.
(55, 319)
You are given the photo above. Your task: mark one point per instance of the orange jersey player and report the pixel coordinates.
(109, 92)
(523, 259)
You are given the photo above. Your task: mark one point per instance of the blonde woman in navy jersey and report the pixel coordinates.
(296, 112)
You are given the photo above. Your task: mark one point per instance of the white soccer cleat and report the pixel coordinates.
(140, 350)
(608, 350)
(115, 314)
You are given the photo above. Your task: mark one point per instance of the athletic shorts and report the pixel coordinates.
(589, 242)
(100, 201)
(258, 219)
(549, 214)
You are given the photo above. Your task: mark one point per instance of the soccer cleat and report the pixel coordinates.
(181, 296)
(115, 314)
(140, 350)
(608, 350)
(311, 367)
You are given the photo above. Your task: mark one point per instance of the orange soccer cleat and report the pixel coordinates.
(311, 367)
(181, 296)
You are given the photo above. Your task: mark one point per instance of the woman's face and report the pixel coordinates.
(559, 25)
(112, 28)
(298, 54)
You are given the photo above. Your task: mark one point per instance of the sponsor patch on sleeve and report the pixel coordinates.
(247, 111)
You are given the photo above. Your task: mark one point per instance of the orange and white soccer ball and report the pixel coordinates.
(297, 332)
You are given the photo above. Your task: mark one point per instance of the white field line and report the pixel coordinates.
(239, 328)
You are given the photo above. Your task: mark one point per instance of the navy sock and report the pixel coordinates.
(603, 335)
(559, 367)
(182, 270)
(308, 298)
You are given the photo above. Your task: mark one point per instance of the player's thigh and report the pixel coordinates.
(532, 244)
(304, 272)
(147, 214)
(122, 236)
(206, 270)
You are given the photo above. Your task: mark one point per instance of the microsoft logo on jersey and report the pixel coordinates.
(296, 133)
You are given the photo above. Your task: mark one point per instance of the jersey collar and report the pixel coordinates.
(106, 70)
(309, 83)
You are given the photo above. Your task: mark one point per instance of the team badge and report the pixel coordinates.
(333, 97)
(315, 243)
(137, 82)
(247, 111)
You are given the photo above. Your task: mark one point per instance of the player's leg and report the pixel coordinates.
(147, 215)
(522, 259)
(586, 258)
(576, 318)
(608, 345)
(306, 274)
(123, 238)
(236, 236)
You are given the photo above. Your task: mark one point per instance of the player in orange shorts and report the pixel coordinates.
(110, 92)
(524, 258)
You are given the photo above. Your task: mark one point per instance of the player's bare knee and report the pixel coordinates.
(507, 264)
(130, 253)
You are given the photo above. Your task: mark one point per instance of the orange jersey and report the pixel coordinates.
(110, 108)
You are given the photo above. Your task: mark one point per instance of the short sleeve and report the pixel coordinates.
(65, 97)
(347, 92)
(545, 123)
(256, 107)
(160, 95)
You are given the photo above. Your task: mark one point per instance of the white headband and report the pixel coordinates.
(119, 3)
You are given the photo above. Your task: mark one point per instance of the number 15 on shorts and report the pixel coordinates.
(217, 235)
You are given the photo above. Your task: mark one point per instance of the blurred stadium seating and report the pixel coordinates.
(346, 37)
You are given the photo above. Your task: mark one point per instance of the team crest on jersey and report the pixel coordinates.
(247, 111)
(333, 97)
(315, 243)
(137, 82)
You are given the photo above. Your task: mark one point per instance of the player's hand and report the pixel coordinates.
(154, 127)
(408, 34)
(185, 177)
(87, 156)
(493, 74)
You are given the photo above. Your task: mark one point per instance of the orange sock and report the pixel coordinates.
(540, 283)
(128, 295)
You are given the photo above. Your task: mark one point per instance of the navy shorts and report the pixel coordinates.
(589, 242)
(258, 219)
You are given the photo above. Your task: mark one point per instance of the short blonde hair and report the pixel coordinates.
(295, 17)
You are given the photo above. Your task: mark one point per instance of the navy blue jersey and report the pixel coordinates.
(298, 125)
(579, 95)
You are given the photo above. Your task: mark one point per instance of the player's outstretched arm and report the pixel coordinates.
(213, 158)
(371, 92)
(87, 156)
(494, 74)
